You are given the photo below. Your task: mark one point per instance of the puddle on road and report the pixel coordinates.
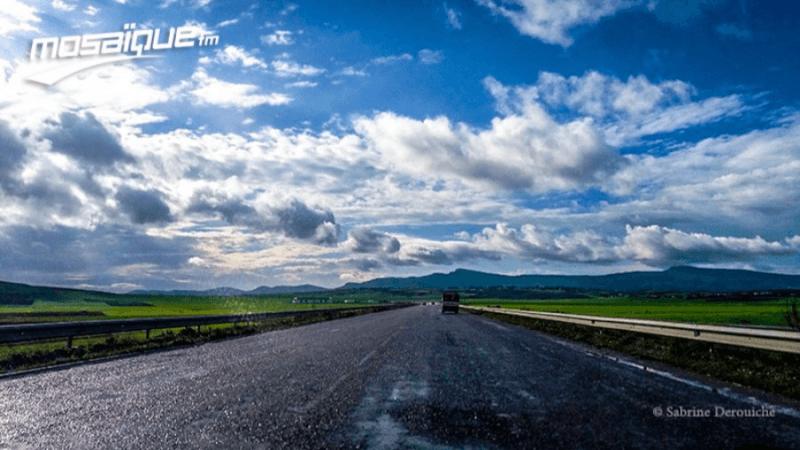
(407, 390)
(382, 419)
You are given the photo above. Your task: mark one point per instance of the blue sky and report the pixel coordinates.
(324, 143)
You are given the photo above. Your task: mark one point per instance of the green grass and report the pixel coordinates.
(166, 306)
(680, 310)
(23, 356)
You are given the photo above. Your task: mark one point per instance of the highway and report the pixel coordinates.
(411, 378)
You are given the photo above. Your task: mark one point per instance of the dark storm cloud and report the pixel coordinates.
(33, 250)
(295, 220)
(367, 265)
(299, 221)
(86, 139)
(367, 240)
(431, 256)
(11, 151)
(233, 211)
(143, 206)
(59, 254)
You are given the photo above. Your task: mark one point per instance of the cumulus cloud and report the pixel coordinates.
(294, 219)
(12, 151)
(530, 243)
(352, 72)
(143, 206)
(363, 239)
(233, 55)
(428, 56)
(297, 220)
(302, 84)
(747, 181)
(285, 68)
(729, 29)
(528, 150)
(208, 90)
(17, 16)
(550, 21)
(391, 59)
(86, 139)
(279, 37)
(600, 95)
(453, 17)
(653, 245)
(625, 110)
(63, 6)
(664, 246)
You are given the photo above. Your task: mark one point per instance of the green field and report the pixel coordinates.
(679, 310)
(67, 306)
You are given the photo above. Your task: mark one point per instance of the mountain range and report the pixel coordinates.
(680, 278)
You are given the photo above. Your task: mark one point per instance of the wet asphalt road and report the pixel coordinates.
(405, 379)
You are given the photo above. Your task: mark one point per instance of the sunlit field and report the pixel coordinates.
(770, 313)
(99, 307)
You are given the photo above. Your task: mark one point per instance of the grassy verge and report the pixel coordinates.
(770, 313)
(774, 372)
(18, 357)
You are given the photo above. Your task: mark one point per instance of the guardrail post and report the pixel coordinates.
(69, 342)
(147, 334)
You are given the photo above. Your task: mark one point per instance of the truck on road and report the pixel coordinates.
(450, 301)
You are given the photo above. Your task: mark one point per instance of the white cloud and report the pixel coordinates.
(625, 110)
(550, 21)
(392, 59)
(427, 56)
(664, 246)
(525, 151)
(62, 6)
(17, 16)
(196, 4)
(453, 17)
(748, 182)
(302, 84)
(91, 10)
(289, 69)
(279, 37)
(231, 55)
(729, 29)
(288, 9)
(352, 72)
(213, 91)
(226, 23)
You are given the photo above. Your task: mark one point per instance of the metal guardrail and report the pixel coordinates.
(10, 334)
(760, 338)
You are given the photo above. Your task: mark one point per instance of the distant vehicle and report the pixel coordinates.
(450, 301)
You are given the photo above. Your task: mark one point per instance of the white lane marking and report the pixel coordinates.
(725, 392)
(366, 358)
(497, 325)
(313, 403)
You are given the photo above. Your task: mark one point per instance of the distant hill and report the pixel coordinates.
(18, 294)
(230, 292)
(680, 278)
